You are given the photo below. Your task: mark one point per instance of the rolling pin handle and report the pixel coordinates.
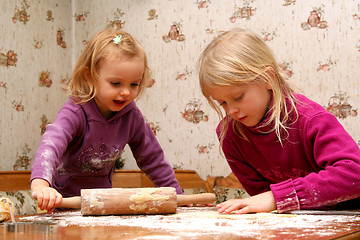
(202, 198)
(70, 202)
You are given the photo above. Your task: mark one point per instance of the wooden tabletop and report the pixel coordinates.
(187, 223)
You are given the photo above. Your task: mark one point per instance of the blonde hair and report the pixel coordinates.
(239, 57)
(99, 47)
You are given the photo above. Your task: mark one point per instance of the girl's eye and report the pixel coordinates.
(239, 98)
(222, 103)
(135, 84)
(115, 83)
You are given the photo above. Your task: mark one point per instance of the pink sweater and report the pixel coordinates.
(318, 165)
(79, 149)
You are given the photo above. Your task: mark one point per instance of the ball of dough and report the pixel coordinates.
(6, 205)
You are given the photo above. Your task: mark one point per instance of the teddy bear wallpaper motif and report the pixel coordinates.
(316, 42)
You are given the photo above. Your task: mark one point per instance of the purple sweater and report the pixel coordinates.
(79, 149)
(318, 165)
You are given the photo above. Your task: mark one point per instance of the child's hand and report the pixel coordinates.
(47, 197)
(263, 202)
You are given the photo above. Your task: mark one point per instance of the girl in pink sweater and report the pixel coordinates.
(80, 147)
(288, 152)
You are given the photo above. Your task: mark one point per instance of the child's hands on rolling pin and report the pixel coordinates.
(47, 197)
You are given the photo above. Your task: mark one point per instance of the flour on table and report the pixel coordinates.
(197, 221)
(234, 216)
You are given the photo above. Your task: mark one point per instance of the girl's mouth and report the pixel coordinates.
(119, 102)
(241, 119)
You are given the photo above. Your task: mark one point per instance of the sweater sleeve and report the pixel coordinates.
(337, 154)
(54, 143)
(150, 157)
(253, 182)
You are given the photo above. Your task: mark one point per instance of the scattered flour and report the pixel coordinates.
(196, 221)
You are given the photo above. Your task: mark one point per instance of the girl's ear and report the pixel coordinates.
(271, 73)
(87, 75)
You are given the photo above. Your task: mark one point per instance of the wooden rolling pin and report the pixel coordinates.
(118, 201)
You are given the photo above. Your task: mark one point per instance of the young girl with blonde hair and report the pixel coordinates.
(287, 151)
(79, 149)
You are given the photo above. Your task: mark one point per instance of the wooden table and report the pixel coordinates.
(190, 223)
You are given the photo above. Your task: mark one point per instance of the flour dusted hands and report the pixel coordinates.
(47, 197)
(263, 202)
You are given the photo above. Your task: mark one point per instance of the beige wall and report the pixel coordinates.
(323, 56)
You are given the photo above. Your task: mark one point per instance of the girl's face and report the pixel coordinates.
(118, 83)
(247, 103)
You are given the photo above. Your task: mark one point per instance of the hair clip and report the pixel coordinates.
(117, 39)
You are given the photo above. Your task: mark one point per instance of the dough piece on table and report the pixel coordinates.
(6, 205)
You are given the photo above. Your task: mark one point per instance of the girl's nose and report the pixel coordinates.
(232, 110)
(124, 91)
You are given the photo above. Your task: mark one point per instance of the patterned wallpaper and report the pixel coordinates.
(317, 42)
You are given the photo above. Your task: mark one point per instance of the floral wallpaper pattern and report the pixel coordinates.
(317, 42)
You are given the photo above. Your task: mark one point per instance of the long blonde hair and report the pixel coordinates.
(239, 57)
(99, 47)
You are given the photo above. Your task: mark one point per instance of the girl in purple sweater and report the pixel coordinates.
(79, 149)
(288, 152)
